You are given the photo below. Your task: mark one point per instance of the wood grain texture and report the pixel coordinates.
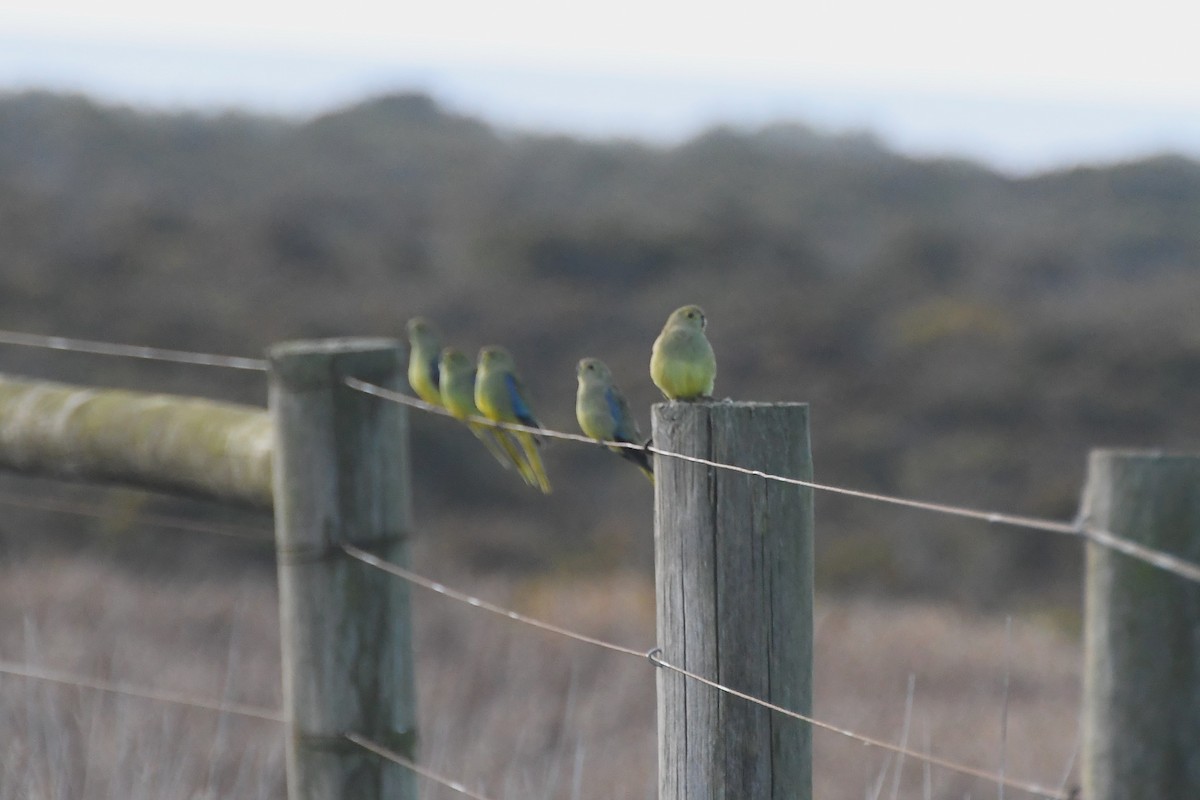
(342, 476)
(1141, 686)
(185, 445)
(733, 568)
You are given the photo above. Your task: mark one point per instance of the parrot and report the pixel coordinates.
(500, 395)
(604, 414)
(682, 364)
(425, 345)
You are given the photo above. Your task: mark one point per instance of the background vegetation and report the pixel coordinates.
(962, 336)
(513, 713)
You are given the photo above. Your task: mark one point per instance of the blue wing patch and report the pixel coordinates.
(520, 409)
(614, 407)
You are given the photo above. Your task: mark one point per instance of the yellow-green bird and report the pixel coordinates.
(604, 414)
(682, 364)
(500, 395)
(424, 351)
(457, 385)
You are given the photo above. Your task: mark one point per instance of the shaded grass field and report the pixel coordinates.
(512, 712)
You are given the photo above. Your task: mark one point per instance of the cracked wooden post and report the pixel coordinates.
(1141, 679)
(734, 581)
(342, 477)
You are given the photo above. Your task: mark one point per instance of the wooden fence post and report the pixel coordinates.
(342, 476)
(733, 571)
(1141, 680)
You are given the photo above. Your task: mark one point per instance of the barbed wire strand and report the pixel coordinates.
(245, 533)
(463, 597)
(131, 351)
(396, 758)
(1157, 558)
(157, 695)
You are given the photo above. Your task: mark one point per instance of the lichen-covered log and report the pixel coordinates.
(171, 443)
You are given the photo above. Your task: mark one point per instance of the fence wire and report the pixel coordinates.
(235, 709)
(131, 351)
(414, 578)
(653, 656)
(128, 690)
(1078, 527)
(396, 758)
(243, 533)
(1157, 558)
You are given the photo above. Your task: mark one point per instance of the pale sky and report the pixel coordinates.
(1081, 55)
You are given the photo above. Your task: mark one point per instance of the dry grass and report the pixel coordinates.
(512, 712)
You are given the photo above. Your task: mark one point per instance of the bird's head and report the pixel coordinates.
(421, 331)
(691, 316)
(493, 357)
(592, 369)
(455, 361)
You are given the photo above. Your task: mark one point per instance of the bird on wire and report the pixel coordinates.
(603, 413)
(424, 351)
(501, 397)
(682, 363)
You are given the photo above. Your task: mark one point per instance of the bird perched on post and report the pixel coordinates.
(458, 396)
(682, 364)
(424, 350)
(604, 414)
(500, 395)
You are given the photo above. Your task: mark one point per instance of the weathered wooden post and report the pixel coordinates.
(733, 570)
(1141, 681)
(342, 476)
